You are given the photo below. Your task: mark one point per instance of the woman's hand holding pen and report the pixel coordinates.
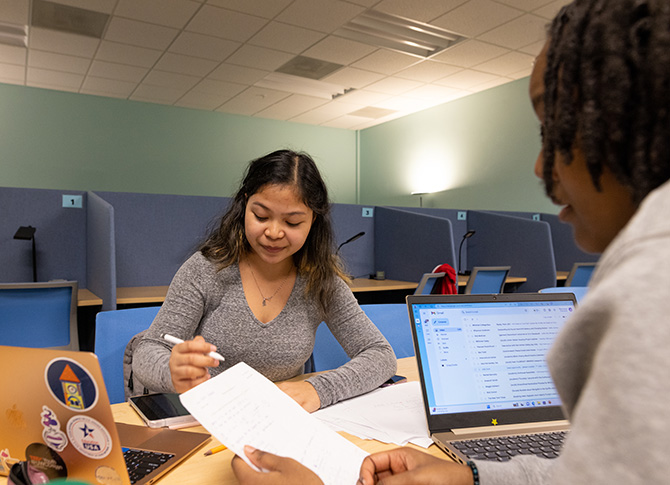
(189, 363)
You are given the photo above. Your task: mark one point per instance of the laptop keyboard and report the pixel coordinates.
(503, 448)
(140, 462)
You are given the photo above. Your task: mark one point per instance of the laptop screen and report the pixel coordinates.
(487, 352)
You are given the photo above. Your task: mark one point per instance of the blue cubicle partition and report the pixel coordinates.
(566, 250)
(408, 244)
(156, 233)
(357, 256)
(523, 244)
(101, 250)
(60, 238)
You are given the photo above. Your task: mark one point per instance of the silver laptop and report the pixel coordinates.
(55, 413)
(483, 372)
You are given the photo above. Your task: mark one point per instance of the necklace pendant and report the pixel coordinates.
(265, 301)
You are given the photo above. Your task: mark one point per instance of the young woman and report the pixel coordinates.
(257, 290)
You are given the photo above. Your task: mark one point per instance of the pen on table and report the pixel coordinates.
(175, 340)
(216, 449)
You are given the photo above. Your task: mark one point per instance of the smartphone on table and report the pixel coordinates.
(163, 409)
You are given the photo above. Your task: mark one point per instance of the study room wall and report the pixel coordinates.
(58, 140)
(478, 152)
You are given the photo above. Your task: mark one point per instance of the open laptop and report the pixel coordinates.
(486, 387)
(55, 413)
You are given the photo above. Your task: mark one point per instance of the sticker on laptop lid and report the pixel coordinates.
(6, 461)
(107, 475)
(71, 384)
(89, 437)
(51, 434)
(46, 460)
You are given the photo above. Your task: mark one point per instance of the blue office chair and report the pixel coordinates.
(580, 274)
(578, 291)
(39, 315)
(427, 283)
(391, 319)
(113, 331)
(487, 279)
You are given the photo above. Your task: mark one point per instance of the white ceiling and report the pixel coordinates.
(207, 54)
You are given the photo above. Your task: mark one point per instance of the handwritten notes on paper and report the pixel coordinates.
(241, 407)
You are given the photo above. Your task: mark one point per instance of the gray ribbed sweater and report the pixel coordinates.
(202, 301)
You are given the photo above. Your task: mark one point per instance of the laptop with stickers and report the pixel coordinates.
(55, 413)
(486, 387)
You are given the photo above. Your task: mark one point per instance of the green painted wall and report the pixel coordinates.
(478, 152)
(58, 140)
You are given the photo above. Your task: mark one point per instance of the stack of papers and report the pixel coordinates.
(393, 414)
(241, 407)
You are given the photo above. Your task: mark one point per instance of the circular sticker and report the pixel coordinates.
(89, 437)
(46, 460)
(107, 476)
(71, 384)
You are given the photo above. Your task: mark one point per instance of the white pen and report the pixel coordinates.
(175, 340)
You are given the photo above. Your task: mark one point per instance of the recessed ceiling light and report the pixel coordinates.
(398, 33)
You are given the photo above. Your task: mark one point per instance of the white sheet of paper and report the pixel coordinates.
(393, 414)
(241, 407)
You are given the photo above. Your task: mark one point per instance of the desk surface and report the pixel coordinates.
(216, 470)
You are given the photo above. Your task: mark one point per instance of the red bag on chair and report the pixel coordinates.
(446, 285)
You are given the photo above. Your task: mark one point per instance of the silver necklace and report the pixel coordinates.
(266, 299)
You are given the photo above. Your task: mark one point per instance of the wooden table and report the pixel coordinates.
(216, 470)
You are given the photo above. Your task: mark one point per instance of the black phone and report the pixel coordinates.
(162, 409)
(394, 380)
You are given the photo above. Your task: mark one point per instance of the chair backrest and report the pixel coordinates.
(487, 279)
(427, 283)
(113, 331)
(580, 274)
(578, 291)
(39, 315)
(391, 319)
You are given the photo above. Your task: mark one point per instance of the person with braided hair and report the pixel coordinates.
(601, 91)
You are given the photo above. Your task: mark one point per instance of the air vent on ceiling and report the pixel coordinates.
(64, 18)
(13, 34)
(303, 66)
(398, 33)
(372, 112)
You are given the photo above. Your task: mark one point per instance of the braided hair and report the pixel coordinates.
(607, 86)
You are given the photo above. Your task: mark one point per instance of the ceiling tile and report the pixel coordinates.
(227, 24)
(252, 100)
(364, 97)
(205, 46)
(107, 87)
(339, 50)
(157, 94)
(62, 43)
(517, 33)
(321, 15)
(345, 122)
(436, 94)
(185, 65)
(199, 100)
(127, 54)
(470, 53)
(477, 16)
(350, 77)
(421, 10)
(238, 74)
(12, 74)
(140, 34)
(54, 79)
(427, 71)
(527, 5)
(261, 8)
(170, 80)
(119, 72)
(393, 85)
(550, 10)
(507, 64)
(259, 58)
(15, 11)
(58, 62)
(10, 54)
(285, 37)
(467, 79)
(222, 88)
(386, 62)
(292, 106)
(533, 49)
(170, 13)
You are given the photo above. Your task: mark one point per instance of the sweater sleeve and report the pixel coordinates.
(179, 316)
(372, 358)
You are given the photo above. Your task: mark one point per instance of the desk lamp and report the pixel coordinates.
(460, 250)
(27, 233)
